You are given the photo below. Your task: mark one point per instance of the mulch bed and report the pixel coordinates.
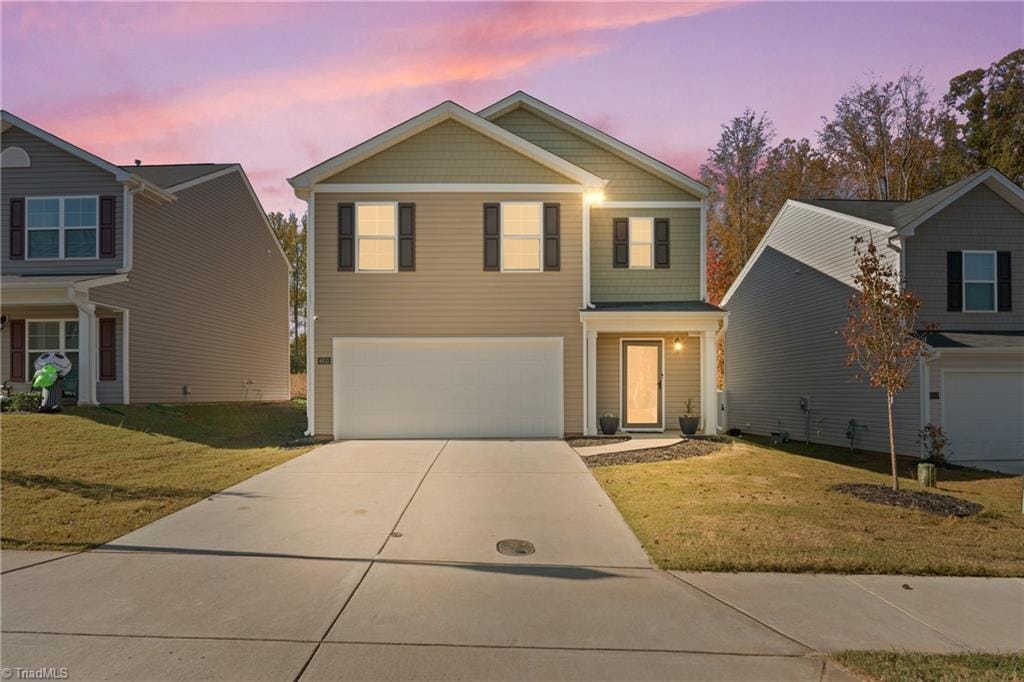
(931, 503)
(591, 441)
(691, 447)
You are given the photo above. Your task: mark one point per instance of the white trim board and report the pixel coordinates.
(429, 187)
(648, 204)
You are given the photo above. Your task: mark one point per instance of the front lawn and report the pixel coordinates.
(751, 507)
(84, 477)
(889, 666)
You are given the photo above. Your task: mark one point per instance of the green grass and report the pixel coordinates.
(885, 666)
(81, 478)
(750, 507)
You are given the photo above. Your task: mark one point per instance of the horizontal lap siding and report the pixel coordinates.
(680, 281)
(783, 341)
(682, 374)
(449, 152)
(207, 298)
(979, 221)
(626, 181)
(449, 294)
(54, 172)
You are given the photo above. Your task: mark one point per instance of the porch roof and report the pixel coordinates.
(80, 282)
(656, 307)
(977, 340)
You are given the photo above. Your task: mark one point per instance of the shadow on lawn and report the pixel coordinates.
(875, 462)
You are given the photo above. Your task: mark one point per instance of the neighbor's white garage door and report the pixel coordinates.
(983, 414)
(450, 387)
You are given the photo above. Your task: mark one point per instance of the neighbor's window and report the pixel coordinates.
(521, 237)
(641, 243)
(980, 281)
(54, 336)
(376, 241)
(62, 227)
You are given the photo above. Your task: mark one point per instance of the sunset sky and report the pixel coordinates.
(279, 87)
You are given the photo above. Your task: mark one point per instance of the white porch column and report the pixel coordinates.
(590, 428)
(708, 375)
(86, 354)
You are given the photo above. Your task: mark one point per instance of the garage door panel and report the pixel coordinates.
(983, 415)
(474, 387)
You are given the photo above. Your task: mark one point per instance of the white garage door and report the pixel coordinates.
(983, 414)
(450, 387)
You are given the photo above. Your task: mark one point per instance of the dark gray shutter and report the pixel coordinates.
(407, 237)
(17, 358)
(661, 243)
(954, 281)
(620, 242)
(17, 232)
(552, 236)
(108, 348)
(1003, 281)
(492, 236)
(107, 234)
(347, 237)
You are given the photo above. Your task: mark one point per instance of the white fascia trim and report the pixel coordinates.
(992, 176)
(311, 315)
(488, 188)
(87, 284)
(521, 99)
(633, 321)
(649, 204)
(442, 112)
(119, 173)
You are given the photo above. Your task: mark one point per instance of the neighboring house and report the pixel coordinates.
(161, 283)
(956, 249)
(513, 272)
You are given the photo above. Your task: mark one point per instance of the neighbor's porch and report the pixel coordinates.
(643, 362)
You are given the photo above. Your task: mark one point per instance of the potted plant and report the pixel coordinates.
(609, 424)
(689, 422)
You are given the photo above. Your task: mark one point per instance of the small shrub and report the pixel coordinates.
(22, 402)
(935, 442)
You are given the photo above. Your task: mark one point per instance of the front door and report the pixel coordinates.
(641, 384)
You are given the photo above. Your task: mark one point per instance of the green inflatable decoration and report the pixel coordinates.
(45, 377)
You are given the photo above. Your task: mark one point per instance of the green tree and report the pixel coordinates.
(291, 233)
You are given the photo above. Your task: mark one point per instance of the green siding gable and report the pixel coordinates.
(449, 152)
(626, 180)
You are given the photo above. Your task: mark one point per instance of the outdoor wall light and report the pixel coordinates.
(677, 344)
(594, 196)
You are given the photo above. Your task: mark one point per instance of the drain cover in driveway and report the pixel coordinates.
(515, 547)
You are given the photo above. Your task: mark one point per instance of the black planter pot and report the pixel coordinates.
(689, 425)
(609, 425)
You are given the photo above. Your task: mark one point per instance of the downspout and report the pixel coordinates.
(128, 220)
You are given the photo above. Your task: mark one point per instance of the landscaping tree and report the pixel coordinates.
(291, 233)
(881, 330)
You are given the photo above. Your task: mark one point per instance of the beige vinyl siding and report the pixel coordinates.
(207, 298)
(681, 381)
(55, 172)
(979, 221)
(449, 152)
(27, 312)
(449, 294)
(626, 180)
(111, 391)
(679, 282)
(782, 341)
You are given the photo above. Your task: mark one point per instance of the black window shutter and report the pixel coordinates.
(406, 237)
(661, 243)
(954, 281)
(492, 236)
(552, 236)
(1003, 281)
(108, 348)
(17, 232)
(17, 350)
(620, 242)
(107, 236)
(347, 237)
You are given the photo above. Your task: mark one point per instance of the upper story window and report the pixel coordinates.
(376, 237)
(641, 243)
(522, 237)
(979, 281)
(62, 227)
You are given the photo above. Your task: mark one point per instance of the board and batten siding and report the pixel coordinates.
(449, 293)
(783, 341)
(681, 369)
(678, 282)
(449, 152)
(54, 172)
(980, 220)
(207, 299)
(626, 180)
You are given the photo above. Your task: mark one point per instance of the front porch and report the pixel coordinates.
(644, 362)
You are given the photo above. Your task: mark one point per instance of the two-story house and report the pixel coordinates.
(954, 249)
(160, 283)
(511, 272)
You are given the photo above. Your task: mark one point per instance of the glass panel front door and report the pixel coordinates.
(641, 387)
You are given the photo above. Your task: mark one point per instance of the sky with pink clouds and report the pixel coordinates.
(282, 86)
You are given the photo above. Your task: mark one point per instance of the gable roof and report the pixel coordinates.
(521, 99)
(445, 111)
(168, 175)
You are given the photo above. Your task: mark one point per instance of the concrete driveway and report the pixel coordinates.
(378, 560)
